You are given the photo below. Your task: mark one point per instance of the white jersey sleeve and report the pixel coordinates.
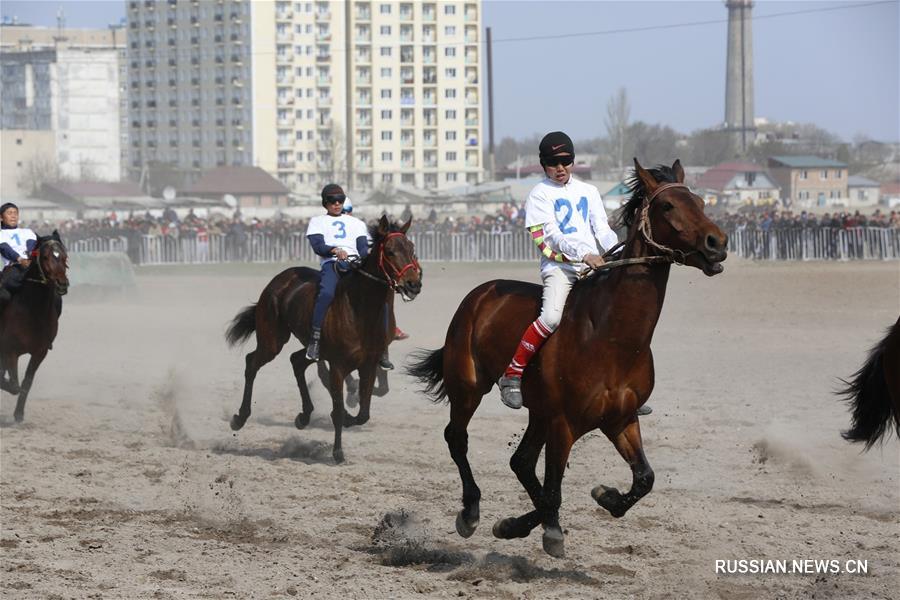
(600, 223)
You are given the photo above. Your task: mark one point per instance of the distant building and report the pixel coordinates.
(862, 191)
(737, 183)
(249, 186)
(808, 181)
(61, 106)
(365, 93)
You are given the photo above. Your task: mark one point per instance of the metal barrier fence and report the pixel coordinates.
(859, 243)
(821, 243)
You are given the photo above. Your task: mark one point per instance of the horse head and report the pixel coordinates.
(671, 220)
(52, 260)
(396, 257)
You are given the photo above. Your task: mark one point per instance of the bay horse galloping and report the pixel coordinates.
(30, 320)
(354, 333)
(874, 392)
(594, 372)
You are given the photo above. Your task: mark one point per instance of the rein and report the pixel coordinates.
(389, 280)
(669, 255)
(36, 257)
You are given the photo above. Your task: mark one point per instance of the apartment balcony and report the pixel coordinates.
(323, 80)
(325, 123)
(471, 15)
(428, 59)
(471, 122)
(408, 100)
(362, 58)
(363, 15)
(364, 123)
(285, 144)
(323, 36)
(324, 144)
(429, 16)
(323, 15)
(471, 100)
(363, 101)
(364, 80)
(429, 101)
(407, 142)
(284, 100)
(362, 39)
(471, 59)
(286, 122)
(236, 18)
(408, 122)
(323, 57)
(285, 37)
(363, 142)
(285, 79)
(323, 102)
(286, 164)
(284, 59)
(284, 15)
(430, 164)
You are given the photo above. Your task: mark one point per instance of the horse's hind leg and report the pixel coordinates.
(462, 407)
(254, 362)
(523, 463)
(336, 387)
(33, 364)
(10, 365)
(629, 444)
(366, 384)
(300, 363)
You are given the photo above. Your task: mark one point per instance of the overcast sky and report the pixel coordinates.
(833, 66)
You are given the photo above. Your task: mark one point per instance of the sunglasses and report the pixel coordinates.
(555, 161)
(335, 199)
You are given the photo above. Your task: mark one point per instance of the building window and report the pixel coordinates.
(824, 174)
(450, 113)
(385, 30)
(385, 94)
(451, 177)
(385, 72)
(838, 174)
(450, 136)
(449, 9)
(450, 93)
(387, 156)
(386, 114)
(387, 177)
(385, 9)
(804, 174)
(450, 156)
(450, 30)
(449, 51)
(385, 50)
(450, 73)
(387, 136)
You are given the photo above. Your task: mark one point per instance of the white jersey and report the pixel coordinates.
(17, 239)
(573, 219)
(340, 232)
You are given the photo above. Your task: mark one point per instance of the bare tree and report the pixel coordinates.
(618, 111)
(333, 158)
(40, 169)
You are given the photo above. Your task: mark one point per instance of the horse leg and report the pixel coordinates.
(300, 363)
(381, 383)
(352, 390)
(366, 384)
(523, 463)
(11, 366)
(559, 444)
(254, 362)
(336, 388)
(629, 444)
(462, 407)
(33, 364)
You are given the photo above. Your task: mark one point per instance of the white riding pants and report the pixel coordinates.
(557, 284)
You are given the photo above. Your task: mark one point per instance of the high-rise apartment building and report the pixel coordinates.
(362, 92)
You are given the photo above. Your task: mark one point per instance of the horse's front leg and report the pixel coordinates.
(36, 359)
(559, 444)
(10, 365)
(366, 384)
(523, 463)
(336, 388)
(299, 362)
(630, 445)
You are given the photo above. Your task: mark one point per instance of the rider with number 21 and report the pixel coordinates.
(564, 216)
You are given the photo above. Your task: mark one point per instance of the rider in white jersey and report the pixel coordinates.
(335, 237)
(566, 218)
(16, 244)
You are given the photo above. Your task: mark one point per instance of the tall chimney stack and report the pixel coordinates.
(739, 75)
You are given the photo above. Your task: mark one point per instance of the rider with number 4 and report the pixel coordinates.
(16, 244)
(564, 216)
(336, 237)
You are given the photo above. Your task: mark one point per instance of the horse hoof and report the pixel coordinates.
(610, 499)
(554, 543)
(301, 420)
(338, 456)
(19, 417)
(463, 527)
(237, 422)
(505, 529)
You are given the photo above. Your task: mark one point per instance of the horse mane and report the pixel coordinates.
(375, 232)
(629, 212)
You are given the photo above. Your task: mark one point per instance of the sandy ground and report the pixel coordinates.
(125, 481)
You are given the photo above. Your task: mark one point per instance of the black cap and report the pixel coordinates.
(7, 206)
(556, 142)
(332, 191)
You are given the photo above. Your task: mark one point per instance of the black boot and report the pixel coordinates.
(385, 362)
(644, 410)
(312, 350)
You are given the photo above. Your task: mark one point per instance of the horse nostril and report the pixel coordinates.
(711, 242)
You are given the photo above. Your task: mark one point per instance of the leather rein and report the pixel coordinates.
(669, 255)
(36, 257)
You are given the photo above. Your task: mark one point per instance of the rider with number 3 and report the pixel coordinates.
(566, 218)
(16, 244)
(335, 237)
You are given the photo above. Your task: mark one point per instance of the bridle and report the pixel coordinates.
(36, 257)
(392, 277)
(668, 256)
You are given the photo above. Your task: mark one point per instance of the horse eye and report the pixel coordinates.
(667, 206)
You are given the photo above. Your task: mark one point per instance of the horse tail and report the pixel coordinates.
(870, 400)
(428, 367)
(242, 326)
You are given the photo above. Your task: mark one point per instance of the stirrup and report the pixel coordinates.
(385, 362)
(511, 391)
(312, 351)
(644, 410)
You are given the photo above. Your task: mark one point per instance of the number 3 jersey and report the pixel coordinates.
(15, 240)
(340, 232)
(566, 221)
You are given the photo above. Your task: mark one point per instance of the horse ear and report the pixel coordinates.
(383, 225)
(678, 170)
(645, 177)
(405, 227)
(55, 235)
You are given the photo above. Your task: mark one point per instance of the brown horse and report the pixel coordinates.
(29, 322)
(354, 335)
(593, 372)
(874, 392)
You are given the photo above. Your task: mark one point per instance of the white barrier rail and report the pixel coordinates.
(858, 243)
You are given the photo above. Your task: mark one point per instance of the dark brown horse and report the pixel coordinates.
(354, 335)
(593, 372)
(874, 392)
(30, 320)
